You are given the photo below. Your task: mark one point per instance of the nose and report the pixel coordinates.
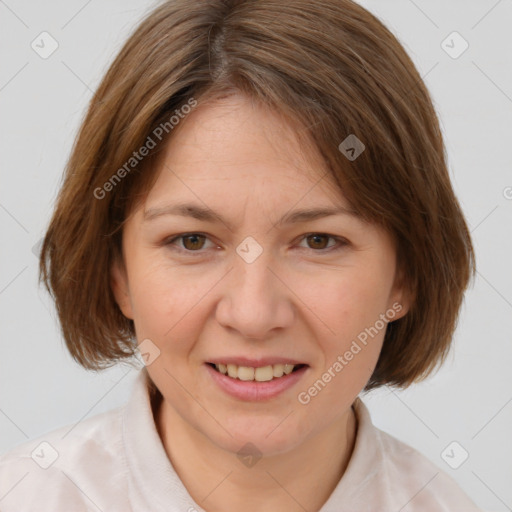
(255, 299)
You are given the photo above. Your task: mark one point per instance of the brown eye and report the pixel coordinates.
(318, 240)
(188, 243)
(193, 242)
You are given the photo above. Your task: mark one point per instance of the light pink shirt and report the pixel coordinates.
(115, 461)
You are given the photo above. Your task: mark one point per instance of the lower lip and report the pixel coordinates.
(252, 390)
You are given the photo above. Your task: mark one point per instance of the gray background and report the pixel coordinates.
(42, 102)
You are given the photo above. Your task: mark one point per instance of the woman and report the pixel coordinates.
(258, 204)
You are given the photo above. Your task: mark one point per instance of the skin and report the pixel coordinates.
(302, 298)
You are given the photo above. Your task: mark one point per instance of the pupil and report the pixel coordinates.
(188, 237)
(317, 237)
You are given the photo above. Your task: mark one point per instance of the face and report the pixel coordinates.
(252, 285)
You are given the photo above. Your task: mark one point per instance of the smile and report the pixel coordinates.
(255, 383)
(258, 374)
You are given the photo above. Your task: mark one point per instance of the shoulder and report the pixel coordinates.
(428, 485)
(64, 468)
(404, 477)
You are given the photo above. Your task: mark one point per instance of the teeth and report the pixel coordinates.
(288, 368)
(232, 370)
(278, 370)
(261, 374)
(264, 373)
(245, 373)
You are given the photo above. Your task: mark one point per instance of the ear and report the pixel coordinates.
(120, 289)
(400, 298)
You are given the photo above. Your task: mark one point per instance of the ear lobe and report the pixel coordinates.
(401, 295)
(119, 286)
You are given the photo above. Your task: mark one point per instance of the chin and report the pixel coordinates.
(269, 436)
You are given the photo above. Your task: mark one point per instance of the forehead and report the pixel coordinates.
(235, 146)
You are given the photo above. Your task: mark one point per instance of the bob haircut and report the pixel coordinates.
(333, 69)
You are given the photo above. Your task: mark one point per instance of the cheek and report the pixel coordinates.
(351, 308)
(350, 304)
(164, 301)
(171, 307)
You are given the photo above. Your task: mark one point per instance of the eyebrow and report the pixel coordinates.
(203, 213)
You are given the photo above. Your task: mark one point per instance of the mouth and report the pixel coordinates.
(271, 372)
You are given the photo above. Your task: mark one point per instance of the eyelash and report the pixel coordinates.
(341, 241)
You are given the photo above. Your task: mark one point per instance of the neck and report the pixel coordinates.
(300, 479)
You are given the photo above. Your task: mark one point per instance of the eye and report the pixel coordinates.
(318, 241)
(192, 242)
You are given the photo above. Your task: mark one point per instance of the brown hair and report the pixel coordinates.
(332, 67)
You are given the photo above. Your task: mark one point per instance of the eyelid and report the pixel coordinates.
(342, 242)
(169, 242)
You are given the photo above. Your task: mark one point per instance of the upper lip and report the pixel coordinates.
(254, 363)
